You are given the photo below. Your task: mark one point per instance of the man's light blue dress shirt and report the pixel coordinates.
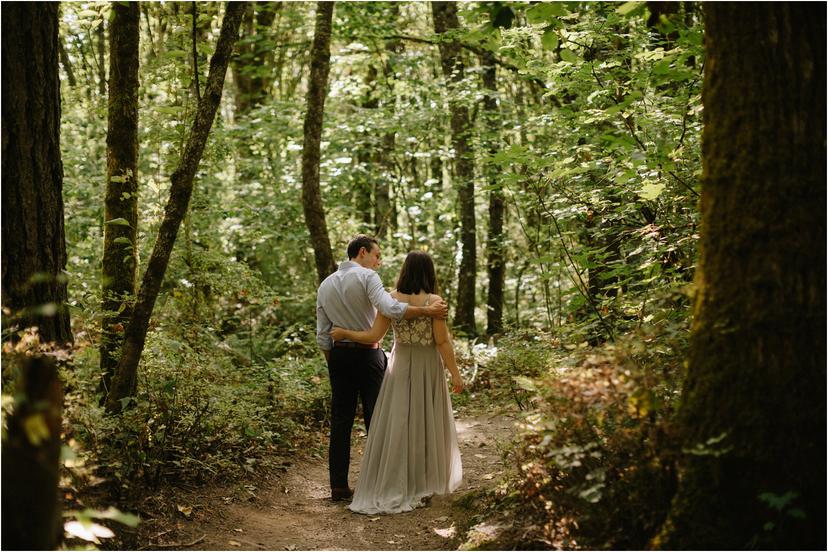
(349, 298)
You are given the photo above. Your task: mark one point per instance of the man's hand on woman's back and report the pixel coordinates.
(438, 310)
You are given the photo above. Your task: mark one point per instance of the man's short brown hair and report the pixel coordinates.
(359, 242)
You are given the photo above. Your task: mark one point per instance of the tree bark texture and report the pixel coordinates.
(120, 255)
(445, 20)
(317, 91)
(496, 262)
(753, 405)
(124, 381)
(30, 458)
(33, 241)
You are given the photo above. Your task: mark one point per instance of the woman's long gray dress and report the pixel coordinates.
(412, 449)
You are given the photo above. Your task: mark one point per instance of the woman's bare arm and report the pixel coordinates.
(442, 337)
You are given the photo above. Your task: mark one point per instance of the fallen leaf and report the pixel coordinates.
(88, 532)
(399, 536)
(238, 530)
(488, 476)
(391, 542)
(290, 547)
(233, 543)
(446, 533)
(483, 456)
(441, 518)
(374, 518)
(186, 510)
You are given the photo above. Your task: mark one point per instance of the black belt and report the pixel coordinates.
(352, 345)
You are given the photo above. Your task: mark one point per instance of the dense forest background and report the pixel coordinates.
(547, 155)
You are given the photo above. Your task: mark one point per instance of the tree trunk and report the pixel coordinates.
(317, 90)
(668, 10)
(753, 405)
(120, 255)
(100, 42)
(255, 53)
(124, 382)
(445, 20)
(496, 262)
(33, 242)
(30, 457)
(67, 64)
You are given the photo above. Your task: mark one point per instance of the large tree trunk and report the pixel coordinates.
(30, 457)
(121, 203)
(124, 382)
(445, 20)
(496, 262)
(317, 90)
(33, 242)
(753, 408)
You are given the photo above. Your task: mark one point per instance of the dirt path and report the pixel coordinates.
(296, 513)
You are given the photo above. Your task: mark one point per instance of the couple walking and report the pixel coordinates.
(412, 450)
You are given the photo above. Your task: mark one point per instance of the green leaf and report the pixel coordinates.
(124, 240)
(628, 7)
(651, 191)
(119, 222)
(550, 40)
(118, 179)
(568, 55)
(525, 383)
(543, 12)
(88, 13)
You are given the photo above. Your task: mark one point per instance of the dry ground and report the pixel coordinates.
(293, 511)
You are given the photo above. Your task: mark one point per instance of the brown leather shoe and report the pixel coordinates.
(341, 493)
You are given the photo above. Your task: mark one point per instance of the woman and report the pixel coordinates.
(412, 450)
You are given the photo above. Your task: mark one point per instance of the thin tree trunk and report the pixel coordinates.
(385, 213)
(753, 404)
(445, 20)
(252, 87)
(30, 457)
(100, 36)
(33, 241)
(317, 90)
(67, 64)
(124, 382)
(120, 254)
(496, 262)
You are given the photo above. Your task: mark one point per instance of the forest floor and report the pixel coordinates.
(292, 510)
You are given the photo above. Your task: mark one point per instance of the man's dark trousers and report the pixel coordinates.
(354, 373)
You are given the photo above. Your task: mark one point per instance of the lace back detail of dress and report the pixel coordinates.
(414, 331)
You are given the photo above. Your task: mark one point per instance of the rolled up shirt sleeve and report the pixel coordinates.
(382, 300)
(323, 328)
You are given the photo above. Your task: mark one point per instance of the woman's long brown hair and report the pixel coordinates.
(417, 274)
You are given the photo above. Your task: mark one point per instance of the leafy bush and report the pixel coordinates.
(595, 457)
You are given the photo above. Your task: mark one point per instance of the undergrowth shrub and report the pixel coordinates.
(200, 415)
(595, 456)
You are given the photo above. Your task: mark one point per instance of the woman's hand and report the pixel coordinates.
(338, 334)
(457, 384)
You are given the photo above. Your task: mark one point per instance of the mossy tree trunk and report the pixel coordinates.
(33, 240)
(753, 406)
(121, 203)
(496, 261)
(317, 91)
(124, 381)
(445, 20)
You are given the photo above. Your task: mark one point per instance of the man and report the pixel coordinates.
(349, 298)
